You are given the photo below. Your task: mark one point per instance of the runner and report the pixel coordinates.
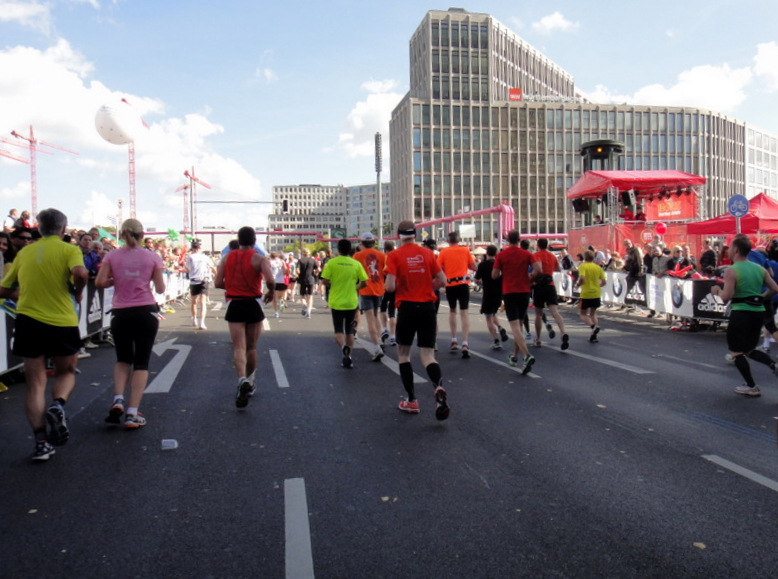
(370, 297)
(492, 297)
(240, 274)
(591, 278)
(413, 274)
(387, 313)
(743, 284)
(457, 262)
(201, 271)
(343, 276)
(130, 270)
(51, 277)
(512, 264)
(306, 279)
(544, 293)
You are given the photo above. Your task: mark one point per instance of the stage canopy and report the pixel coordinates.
(643, 183)
(762, 217)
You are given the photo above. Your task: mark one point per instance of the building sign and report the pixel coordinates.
(514, 94)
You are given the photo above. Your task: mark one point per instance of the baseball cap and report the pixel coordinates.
(367, 236)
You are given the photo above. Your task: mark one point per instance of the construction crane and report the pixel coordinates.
(33, 145)
(192, 198)
(185, 189)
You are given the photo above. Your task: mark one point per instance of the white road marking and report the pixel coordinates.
(386, 360)
(299, 556)
(605, 361)
(503, 364)
(278, 368)
(742, 471)
(164, 380)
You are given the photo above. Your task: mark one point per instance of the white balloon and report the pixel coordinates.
(117, 123)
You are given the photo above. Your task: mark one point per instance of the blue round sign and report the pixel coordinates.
(738, 206)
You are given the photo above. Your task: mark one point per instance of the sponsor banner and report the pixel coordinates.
(681, 297)
(514, 94)
(671, 208)
(615, 289)
(706, 305)
(93, 309)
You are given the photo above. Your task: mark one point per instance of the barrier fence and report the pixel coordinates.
(94, 314)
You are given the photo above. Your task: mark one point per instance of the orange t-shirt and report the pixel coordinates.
(547, 260)
(415, 268)
(373, 261)
(454, 261)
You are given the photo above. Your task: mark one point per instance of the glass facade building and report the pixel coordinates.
(489, 120)
(315, 208)
(362, 209)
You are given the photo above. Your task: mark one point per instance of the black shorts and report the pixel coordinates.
(417, 319)
(769, 317)
(306, 289)
(458, 295)
(279, 287)
(387, 304)
(744, 330)
(589, 303)
(134, 331)
(33, 339)
(244, 311)
(344, 321)
(490, 304)
(197, 288)
(544, 295)
(369, 303)
(516, 305)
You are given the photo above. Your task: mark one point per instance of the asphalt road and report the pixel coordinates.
(631, 457)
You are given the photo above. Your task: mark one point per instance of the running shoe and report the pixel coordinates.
(58, 425)
(465, 351)
(392, 341)
(593, 337)
(133, 421)
(441, 409)
(346, 361)
(378, 354)
(503, 335)
(565, 341)
(253, 390)
(551, 332)
(496, 346)
(43, 450)
(202, 326)
(304, 312)
(526, 365)
(409, 406)
(194, 322)
(242, 397)
(283, 305)
(277, 315)
(454, 347)
(384, 336)
(114, 414)
(748, 391)
(528, 336)
(513, 360)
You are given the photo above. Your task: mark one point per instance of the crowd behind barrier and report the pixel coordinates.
(94, 313)
(684, 298)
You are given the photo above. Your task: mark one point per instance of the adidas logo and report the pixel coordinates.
(95, 310)
(711, 303)
(635, 293)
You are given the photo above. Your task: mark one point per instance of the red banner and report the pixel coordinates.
(671, 208)
(514, 94)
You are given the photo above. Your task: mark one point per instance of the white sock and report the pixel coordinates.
(241, 380)
(118, 398)
(132, 411)
(250, 377)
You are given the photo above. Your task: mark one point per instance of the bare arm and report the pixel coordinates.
(730, 279)
(158, 277)
(439, 280)
(390, 284)
(262, 264)
(104, 276)
(219, 279)
(80, 276)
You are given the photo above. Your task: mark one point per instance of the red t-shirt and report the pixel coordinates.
(241, 280)
(414, 267)
(455, 261)
(373, 261)
(514, 263)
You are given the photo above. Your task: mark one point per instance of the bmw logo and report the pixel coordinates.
(677, 294)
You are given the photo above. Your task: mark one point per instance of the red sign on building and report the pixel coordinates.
(514, 94)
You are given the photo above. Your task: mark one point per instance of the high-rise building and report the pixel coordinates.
(489, 119)
(316, 208)
(362, 209)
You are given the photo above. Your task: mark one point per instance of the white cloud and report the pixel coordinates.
(52, 91)
(718, 88)
(20, 191)
(266, 74)
(766, 64)
(29, 14)
(553, 23)
(368, 117)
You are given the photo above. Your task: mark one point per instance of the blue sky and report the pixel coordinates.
(256, 94)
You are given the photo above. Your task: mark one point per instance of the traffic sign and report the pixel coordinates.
(738, 206)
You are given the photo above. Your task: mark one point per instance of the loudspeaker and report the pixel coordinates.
(580, 205)
(628, 198)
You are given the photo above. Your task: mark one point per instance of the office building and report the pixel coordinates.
(319, 209)
(489, 119)
(362, 209)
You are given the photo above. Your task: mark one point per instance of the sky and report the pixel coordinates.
(258, 94)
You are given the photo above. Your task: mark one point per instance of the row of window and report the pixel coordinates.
(459, 34)
(460, 62)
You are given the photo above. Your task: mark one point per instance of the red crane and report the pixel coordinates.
(131, 153)
(33, 144)
(185, 189)
(192, 197)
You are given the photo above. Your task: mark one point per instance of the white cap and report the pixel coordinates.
(367, 236)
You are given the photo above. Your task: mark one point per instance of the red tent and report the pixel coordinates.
(762, 217)
(643, 183)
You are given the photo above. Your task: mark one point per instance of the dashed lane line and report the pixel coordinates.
(299, 555)
(278, 368)
(742, 471)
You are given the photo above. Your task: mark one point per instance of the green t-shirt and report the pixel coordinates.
(43, 272)
(591, 274)
(750, 279)
(344, 273)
